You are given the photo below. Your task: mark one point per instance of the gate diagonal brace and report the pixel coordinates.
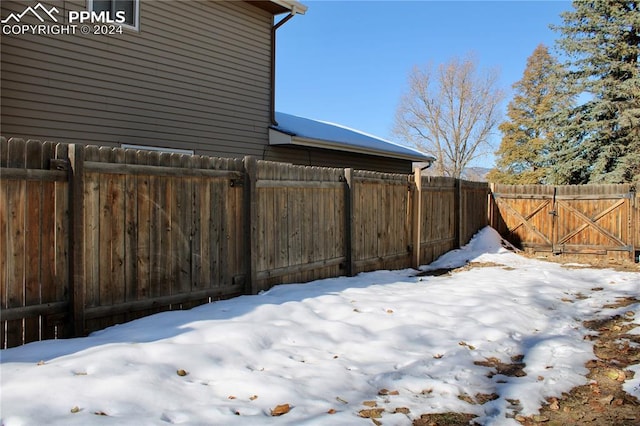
(590, 222)
(524, 220)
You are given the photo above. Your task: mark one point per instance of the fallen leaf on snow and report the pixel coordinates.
(182, 373)
(373, 413)
(471, 347)
(370, 403)
(279, 410)
(253, 397)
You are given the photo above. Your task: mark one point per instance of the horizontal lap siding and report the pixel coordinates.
(196, 76)
(329, 158)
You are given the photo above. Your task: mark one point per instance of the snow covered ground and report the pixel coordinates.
(327, 347)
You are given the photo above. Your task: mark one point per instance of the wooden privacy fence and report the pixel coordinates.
(583, 220)
(91, 237)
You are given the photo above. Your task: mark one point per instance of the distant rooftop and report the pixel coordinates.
(294, 130)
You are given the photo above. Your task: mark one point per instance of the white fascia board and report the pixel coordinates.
(294, 6)
(277, 137)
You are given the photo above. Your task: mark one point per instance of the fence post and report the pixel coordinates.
(457, 209)
(416, 217)
(251, 222)
(490, 209)
(348, 221)
(76, 238)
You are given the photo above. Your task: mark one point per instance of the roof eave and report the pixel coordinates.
(283, 138)
(292, 5)
(276, 7)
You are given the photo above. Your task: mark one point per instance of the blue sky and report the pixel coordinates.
(347, 61)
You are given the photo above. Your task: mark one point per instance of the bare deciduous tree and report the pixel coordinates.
(450, 113)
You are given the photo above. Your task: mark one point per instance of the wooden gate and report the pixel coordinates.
(585, 219)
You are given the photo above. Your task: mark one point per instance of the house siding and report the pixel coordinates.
(196, 76)
(308, 156)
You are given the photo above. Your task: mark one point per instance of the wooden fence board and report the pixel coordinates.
(130, 217)
(16, 244)
(106, 212)
(202, 237)
(226, 260)
(33, 241)
(143, 225)
(59, 324)
(92, 230)
(197, 211)
(48, 233)
(5, 250)
(180, 221)
(165, 254)
(117, 197)
(216, 231)
(240, 259)
(322, 226)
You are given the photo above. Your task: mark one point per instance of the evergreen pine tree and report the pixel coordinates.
(523, 154)
(599, 140)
